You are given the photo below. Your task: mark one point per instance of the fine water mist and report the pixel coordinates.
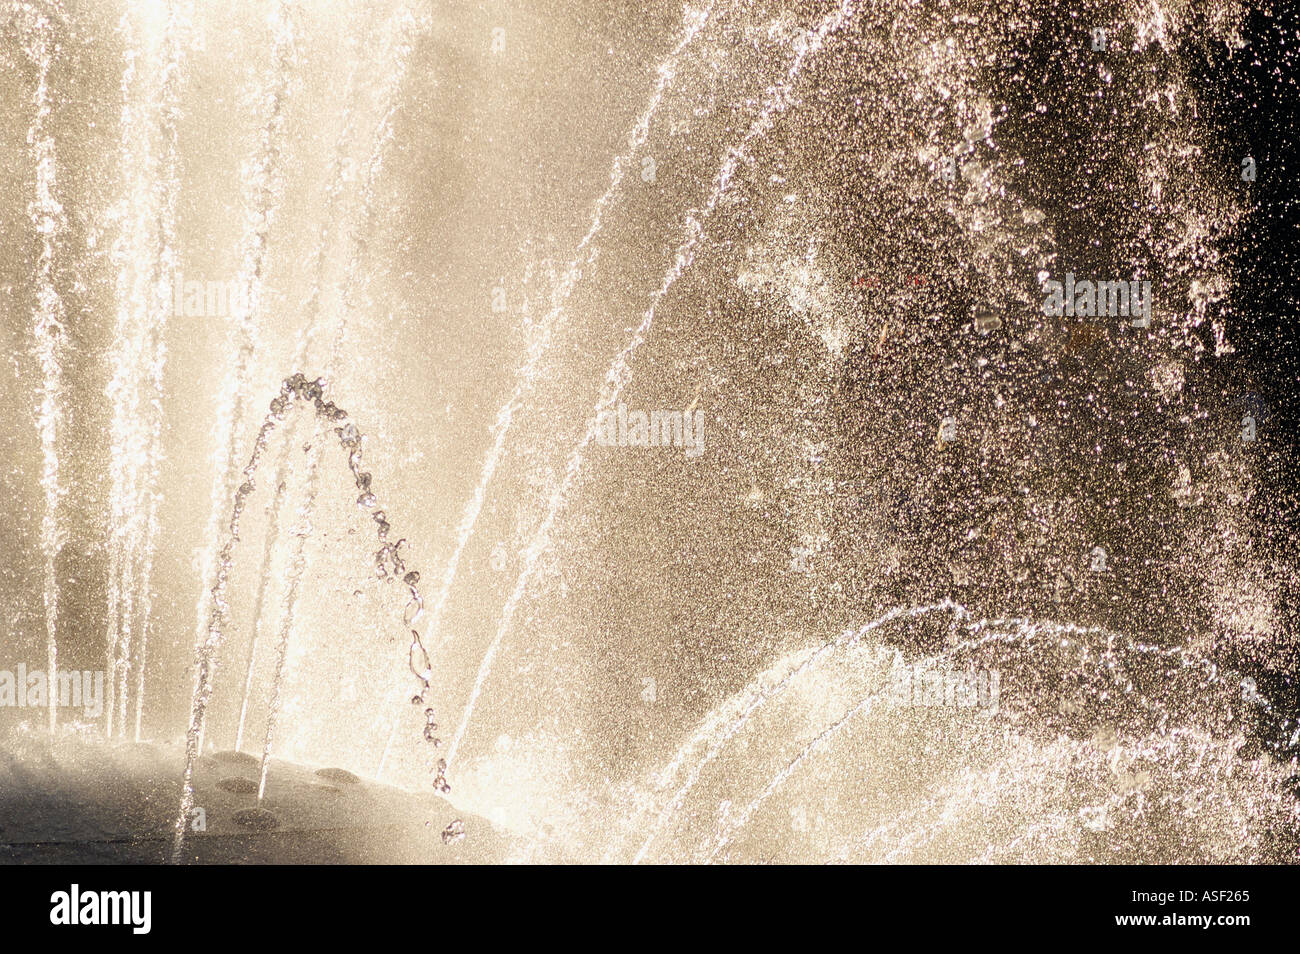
(775, 432)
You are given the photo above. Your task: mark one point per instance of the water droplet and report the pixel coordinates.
(414, 610)
(453, 832)
(420, 664)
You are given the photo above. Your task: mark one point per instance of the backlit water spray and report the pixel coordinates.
(620, 371)
(146, 262)
(585, 258)
(843, 222)
(48, 221)
(265, 184)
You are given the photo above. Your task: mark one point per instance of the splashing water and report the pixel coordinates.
(146, 270)
(266, 184)
(585, 258)
(553, 320)
(48, 330)
(1134, 760)
(855, 210)
(408, 32)
(620, 371)
(312, 309)
(389, 564)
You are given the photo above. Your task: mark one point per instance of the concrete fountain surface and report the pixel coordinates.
(82, 801)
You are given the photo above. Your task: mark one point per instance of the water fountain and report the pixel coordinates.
(953, 578)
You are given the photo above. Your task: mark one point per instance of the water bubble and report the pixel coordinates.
(367, 500)
(440, 780)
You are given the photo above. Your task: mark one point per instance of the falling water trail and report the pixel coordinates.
(728, 832)
(263, 580)
(48, 330)
(971, 782)
(320, 254)
(584, 257)
(389, 565)
(411, 29)
(123, 388)
(760, 699)
(973, 793)
(724, 837)
(620, 372)
(296, 569)
(179, 17)
(982, 632)
(964, 782)
(1025, 631)
(146, 266)
(267, 185)
(971, 786)
(1053, 825)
